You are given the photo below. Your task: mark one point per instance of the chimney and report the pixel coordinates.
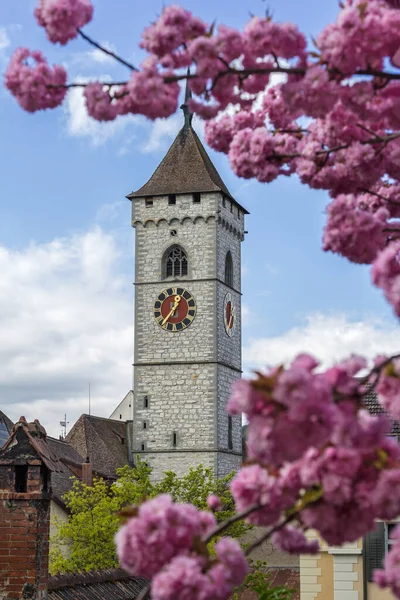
(25, 466)
(87, 472)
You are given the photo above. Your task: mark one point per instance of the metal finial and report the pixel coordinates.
(188, 116)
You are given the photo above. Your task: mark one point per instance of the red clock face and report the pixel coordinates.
(174, 309)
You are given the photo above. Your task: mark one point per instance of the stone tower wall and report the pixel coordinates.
(188, 397)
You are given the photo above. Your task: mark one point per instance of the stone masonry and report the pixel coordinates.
(183, 379)
(187, 376)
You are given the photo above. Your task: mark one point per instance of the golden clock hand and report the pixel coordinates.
(173, 309)
(231, 317)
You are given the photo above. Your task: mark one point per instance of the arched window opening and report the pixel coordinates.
(229, 269)
(175, 262)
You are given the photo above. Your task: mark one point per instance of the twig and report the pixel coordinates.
(226, 524)
(86, 83)
(365, 191)
(377, 370)
(268, 534)
(109, 52)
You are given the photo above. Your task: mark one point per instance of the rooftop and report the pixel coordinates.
(185, 169)
(112, 584)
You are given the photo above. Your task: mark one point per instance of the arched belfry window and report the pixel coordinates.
(175, 262)
(229, 269)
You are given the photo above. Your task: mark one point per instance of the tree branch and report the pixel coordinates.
(365, 191)
(109, 52)
(268, 534)
(226, 524)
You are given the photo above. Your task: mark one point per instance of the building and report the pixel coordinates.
(189, 231)
(6, 426)
(124, 410)
(29, 467)
(346, 572)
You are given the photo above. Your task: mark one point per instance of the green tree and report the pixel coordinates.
(86, 540)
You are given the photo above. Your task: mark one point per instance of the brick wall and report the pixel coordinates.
(24, 531)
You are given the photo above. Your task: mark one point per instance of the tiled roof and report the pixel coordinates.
(111, 584)
(105, 441)
(61, 481)
(31, 435)
(372, 405)
(186, 168)
(6, 426)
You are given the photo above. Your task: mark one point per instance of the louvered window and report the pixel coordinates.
(176, 263)
(375, 549)
(229, 269)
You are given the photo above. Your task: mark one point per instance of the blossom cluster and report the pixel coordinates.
(337, 476)
(62, 18)
(164, 542)
(340, 466)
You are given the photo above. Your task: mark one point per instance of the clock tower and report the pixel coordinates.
(189, 231)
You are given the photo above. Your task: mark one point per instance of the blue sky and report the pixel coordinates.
(66, 245)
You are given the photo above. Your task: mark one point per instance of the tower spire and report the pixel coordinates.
(188, 116)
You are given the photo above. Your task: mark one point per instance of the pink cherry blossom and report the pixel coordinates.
(34, 84)
(99, 103)
(62, 18)
(213, 502)
(161, 531)
(353, 232)
(292, 540)
(388, 388)
(386, 274)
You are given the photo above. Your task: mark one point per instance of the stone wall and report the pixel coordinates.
(186, 375)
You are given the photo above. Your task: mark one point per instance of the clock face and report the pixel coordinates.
(229, 315)
(174, 309)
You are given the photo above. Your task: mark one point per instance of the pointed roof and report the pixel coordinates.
(185, 169)
(36, 436)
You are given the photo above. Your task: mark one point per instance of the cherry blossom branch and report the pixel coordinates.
(106, 51)
(365, 191)
(226, 524)
(268, 534)
(376, 370)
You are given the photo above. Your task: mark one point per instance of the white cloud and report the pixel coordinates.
(66, 320)
(150, 136)
(329, 337)
(98, 56)
(79, 124)
(5, 43)
(161, 133)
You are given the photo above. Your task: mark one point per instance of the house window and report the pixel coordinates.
(376, 545)
(144, 424)
(174, 439)
(238, 213)
(230, 440)
(229, 269)
(175, 262)
(223, 201)
(143, 446)
(172, 199)
(196, 198)
(146, 402)
(231, 207)
(21, 478)
(148, 201)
